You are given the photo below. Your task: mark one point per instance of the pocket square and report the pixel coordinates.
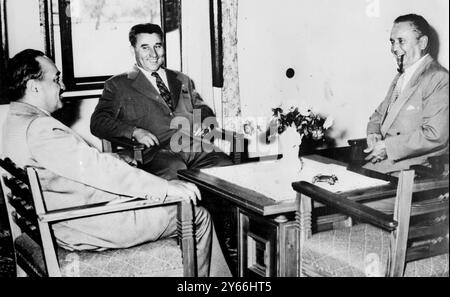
(411, 107)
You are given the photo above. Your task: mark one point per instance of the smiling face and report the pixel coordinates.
(149, 51)
(50, 86)
(406, 44)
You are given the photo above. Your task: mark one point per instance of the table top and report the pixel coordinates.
(265, 187)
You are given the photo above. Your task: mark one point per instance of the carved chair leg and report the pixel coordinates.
(303, 217)
(186, 232)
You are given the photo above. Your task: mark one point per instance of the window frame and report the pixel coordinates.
(4, 55)
(71, 82)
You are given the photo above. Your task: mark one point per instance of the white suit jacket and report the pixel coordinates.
(416, 127)
(72, 173)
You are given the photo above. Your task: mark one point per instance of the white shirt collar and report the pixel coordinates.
(162, 73)
(411, 70)
(44, 111)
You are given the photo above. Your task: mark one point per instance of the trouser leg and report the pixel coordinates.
(203, 231)
(165, 164)
(224, 218)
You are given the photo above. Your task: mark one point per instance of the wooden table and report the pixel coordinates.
(268, 229)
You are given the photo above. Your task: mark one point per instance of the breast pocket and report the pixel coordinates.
(185, 100)
(410, 117)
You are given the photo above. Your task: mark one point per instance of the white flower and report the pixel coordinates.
(328, 122)
(304, 111)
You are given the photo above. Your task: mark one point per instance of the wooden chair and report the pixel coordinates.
(411, 242)
(35, 246)
(232, 143)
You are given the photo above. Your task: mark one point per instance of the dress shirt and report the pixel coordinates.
(410, 71)
(152, 79)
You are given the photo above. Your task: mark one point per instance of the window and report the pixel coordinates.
(3, 52)
(89, 39)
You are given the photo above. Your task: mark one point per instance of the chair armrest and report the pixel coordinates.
(438, 163)
(357, 142)
(101, 208)
(437, 168)
(424, 171)
(112, 144)
(346, 206)
(357, 154)
(125, 143)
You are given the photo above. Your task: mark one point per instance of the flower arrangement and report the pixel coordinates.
(307, 123)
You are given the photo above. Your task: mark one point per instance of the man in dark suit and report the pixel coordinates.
(149, 102)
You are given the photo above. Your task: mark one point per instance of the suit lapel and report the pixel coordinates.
(388, 99)
(174, 86)
(143, 85)
(404, 96)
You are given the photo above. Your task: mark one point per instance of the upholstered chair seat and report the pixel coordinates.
(158, 258)
(361, 250)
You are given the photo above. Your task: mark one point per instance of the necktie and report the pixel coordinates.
(396, 93)
(163, 90)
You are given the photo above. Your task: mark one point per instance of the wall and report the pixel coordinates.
(196, 46)
(24, 32)
(23, 25)
(339, 50)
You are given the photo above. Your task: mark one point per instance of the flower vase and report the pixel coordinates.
(290, 141)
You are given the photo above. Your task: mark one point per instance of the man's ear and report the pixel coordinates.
(423, 42)
(32, 86)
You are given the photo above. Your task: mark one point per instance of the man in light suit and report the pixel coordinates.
(143, 103)
(73, 173)
(411, 124)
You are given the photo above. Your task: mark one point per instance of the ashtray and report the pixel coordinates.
(320, 178)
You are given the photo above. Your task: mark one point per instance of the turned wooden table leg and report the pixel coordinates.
(303, 219)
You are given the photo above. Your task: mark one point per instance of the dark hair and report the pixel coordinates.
(21, 68)
(421, 26)
(143, 28)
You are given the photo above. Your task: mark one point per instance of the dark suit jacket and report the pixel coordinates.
(129, 100)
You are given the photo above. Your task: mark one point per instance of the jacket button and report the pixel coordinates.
(171, 114)
(398, 133)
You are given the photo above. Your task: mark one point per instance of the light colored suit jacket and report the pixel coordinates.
(72, 173)
(416, 127)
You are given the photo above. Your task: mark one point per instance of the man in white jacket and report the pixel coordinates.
(73, 173)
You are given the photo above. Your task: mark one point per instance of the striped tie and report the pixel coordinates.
(163, 90)
(397, 91)
(395, 94)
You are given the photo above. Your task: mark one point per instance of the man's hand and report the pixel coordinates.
(129, 160)
(202, 131)
(124, 157)
(377, 152)
(187, 191)
(145, 137)
(372, 139)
